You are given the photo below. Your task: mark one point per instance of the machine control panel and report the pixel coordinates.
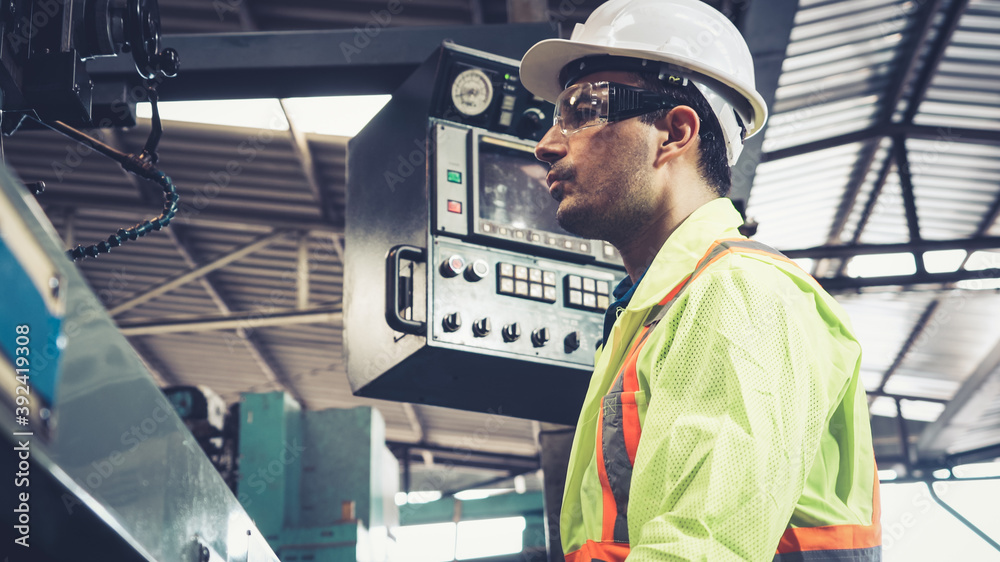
(540, 307)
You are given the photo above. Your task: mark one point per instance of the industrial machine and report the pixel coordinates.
(461, 289)
(320, 485)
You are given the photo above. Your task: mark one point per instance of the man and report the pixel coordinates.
(725, 419)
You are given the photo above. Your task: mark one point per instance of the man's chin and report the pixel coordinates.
(577, 223)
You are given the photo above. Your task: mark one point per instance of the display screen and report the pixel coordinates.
(512, 189)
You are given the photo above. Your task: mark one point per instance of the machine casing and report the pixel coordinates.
(408, 171)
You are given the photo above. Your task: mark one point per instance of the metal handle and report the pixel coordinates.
(392, 317)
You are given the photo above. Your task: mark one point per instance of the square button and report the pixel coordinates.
(518, 234)
(568, 244)
(602, 301)
(506, 270)
(588, 285)
(609, 251)
(589, 300)
(549, 294)
(585, 247)
(603, 288)
(575, 297)
(549, 277)
(574, 282)
(521, 288)
(454, 206)
(520, 272)
(535, 275)
(535, 290)
(536, 237)
(506, 285)
(487, 227)
(550, 241)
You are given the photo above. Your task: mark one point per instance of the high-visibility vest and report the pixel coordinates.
(811, 534)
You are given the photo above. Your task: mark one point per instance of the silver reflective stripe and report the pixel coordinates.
(873, 554)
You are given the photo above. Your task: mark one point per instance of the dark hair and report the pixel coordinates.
(713, 162)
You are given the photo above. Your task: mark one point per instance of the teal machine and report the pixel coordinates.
(100, 465)
(320, 485)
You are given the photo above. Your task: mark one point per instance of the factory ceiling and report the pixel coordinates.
(881, 158)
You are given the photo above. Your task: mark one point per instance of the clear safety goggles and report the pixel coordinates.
(591, 104)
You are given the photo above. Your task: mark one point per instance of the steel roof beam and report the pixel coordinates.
(909, 200)
(951, 134)
(846, 284)
(372, 60)
(232, 321)
(766, 27)
(271, 372)
(941, 42)
(198, 272)
(851, 250)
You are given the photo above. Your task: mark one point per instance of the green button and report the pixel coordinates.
(454, 177)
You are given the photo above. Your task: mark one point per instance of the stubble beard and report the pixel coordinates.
(623, 188)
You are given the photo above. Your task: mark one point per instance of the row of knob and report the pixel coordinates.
(510, 332)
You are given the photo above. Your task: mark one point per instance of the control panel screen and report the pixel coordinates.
(512, 189)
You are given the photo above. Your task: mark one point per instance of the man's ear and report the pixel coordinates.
(677, 134)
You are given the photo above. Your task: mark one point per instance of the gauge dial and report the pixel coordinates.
(472, 92)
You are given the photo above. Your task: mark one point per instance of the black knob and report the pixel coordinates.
(481, 328)
(477, 270)
(531, 121)
(452, 322)
(540, 337)
(511, 332)
(453, 266)
(572, 342)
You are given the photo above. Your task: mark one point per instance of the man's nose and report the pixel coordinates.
(552, 147)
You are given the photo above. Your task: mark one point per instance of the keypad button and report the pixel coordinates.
(588, 285)
(506, 270)
(602, 301)
(549, 277)
(576, 297)
(549, 294)
(506, 285)
(535, 290)
(521, 288)
(603, 288)
(575, 282)
(520, 272)
(535, 275)
(589, 300)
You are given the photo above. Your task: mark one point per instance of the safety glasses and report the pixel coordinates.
(591, 104)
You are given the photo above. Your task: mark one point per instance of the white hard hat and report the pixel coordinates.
(688, 37)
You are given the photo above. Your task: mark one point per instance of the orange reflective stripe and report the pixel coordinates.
(836, 537)
(604, 551)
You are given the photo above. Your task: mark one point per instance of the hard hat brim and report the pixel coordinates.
(542, 64)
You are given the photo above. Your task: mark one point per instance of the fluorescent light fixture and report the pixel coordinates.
(881, 265)
(983, 259)
(943, 261)
(921, 410)
(979, 284)
(883, 406)
(977, 470)
(426, 543)
(468, 495)
(342, 116)
(887, 474)
(402, 498)
(265, 114)
(942, 473)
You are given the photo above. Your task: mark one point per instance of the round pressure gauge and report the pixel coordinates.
(472, 92)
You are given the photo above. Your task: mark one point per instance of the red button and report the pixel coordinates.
(454, 206)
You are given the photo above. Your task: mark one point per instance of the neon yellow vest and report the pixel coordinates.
(725, 419)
